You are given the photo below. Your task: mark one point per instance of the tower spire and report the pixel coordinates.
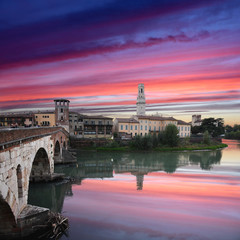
(141, 103)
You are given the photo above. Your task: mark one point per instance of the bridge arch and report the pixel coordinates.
(57, 151)
(7, 219)
(40, 166)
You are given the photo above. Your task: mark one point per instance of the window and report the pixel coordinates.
(146, 128)
(93, 122)
(182, 128)
(136, 127)
(146, 121)
(188, 128)
(100, 122)
(154, 128)
(61, 110)
(126, 127)
(121, 127)
(149, 128)
(131, 127)
(141, 127)
(185, 128)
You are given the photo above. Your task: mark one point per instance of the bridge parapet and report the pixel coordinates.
(12, 137)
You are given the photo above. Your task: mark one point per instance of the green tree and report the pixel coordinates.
(213, 126)
(171, 135)
(206, 138)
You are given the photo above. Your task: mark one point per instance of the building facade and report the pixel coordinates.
(143, 125)
(126, 126)
(76, 124)
(151, 124)
(184, 129)
(83, 126)
(45, 119)
(141, 102)
(16, 120)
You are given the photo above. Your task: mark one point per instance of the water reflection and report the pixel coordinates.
(95, 165)
(101, 166)
(49, 195)
(175, 191)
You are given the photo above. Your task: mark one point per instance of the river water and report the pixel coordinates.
(140, 196)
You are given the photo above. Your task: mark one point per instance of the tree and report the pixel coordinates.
(171, 135)
(213, 126)
(206, 138)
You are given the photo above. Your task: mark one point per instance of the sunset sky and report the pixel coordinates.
(95, 53)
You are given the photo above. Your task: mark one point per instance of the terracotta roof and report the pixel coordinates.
(180, 122)
(96, 117)
(127, 120)
(45, 112)
(159, 118)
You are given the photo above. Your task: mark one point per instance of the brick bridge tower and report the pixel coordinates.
(141, 103)
(62, 113)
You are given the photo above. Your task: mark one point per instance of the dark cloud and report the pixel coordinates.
(74, 32)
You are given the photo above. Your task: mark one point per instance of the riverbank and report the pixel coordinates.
(194, 147)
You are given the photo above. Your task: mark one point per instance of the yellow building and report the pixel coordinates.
(45, 119)
(143, 125)
(184, 129)
(150, 124)
(126, 125)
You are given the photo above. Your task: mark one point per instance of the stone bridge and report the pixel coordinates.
(26, 155)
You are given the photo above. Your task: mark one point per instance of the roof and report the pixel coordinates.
(180, 122)
(127, 120)
(97, 117)
(25, 115)
(158, 118)
(52, 112)
(61, 100)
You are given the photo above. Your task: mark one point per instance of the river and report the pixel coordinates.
(141, 196)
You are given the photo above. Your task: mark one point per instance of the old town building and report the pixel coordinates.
(83, 126)
(126, 127)
(45, 119)
(184, 129)
(16, 119)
